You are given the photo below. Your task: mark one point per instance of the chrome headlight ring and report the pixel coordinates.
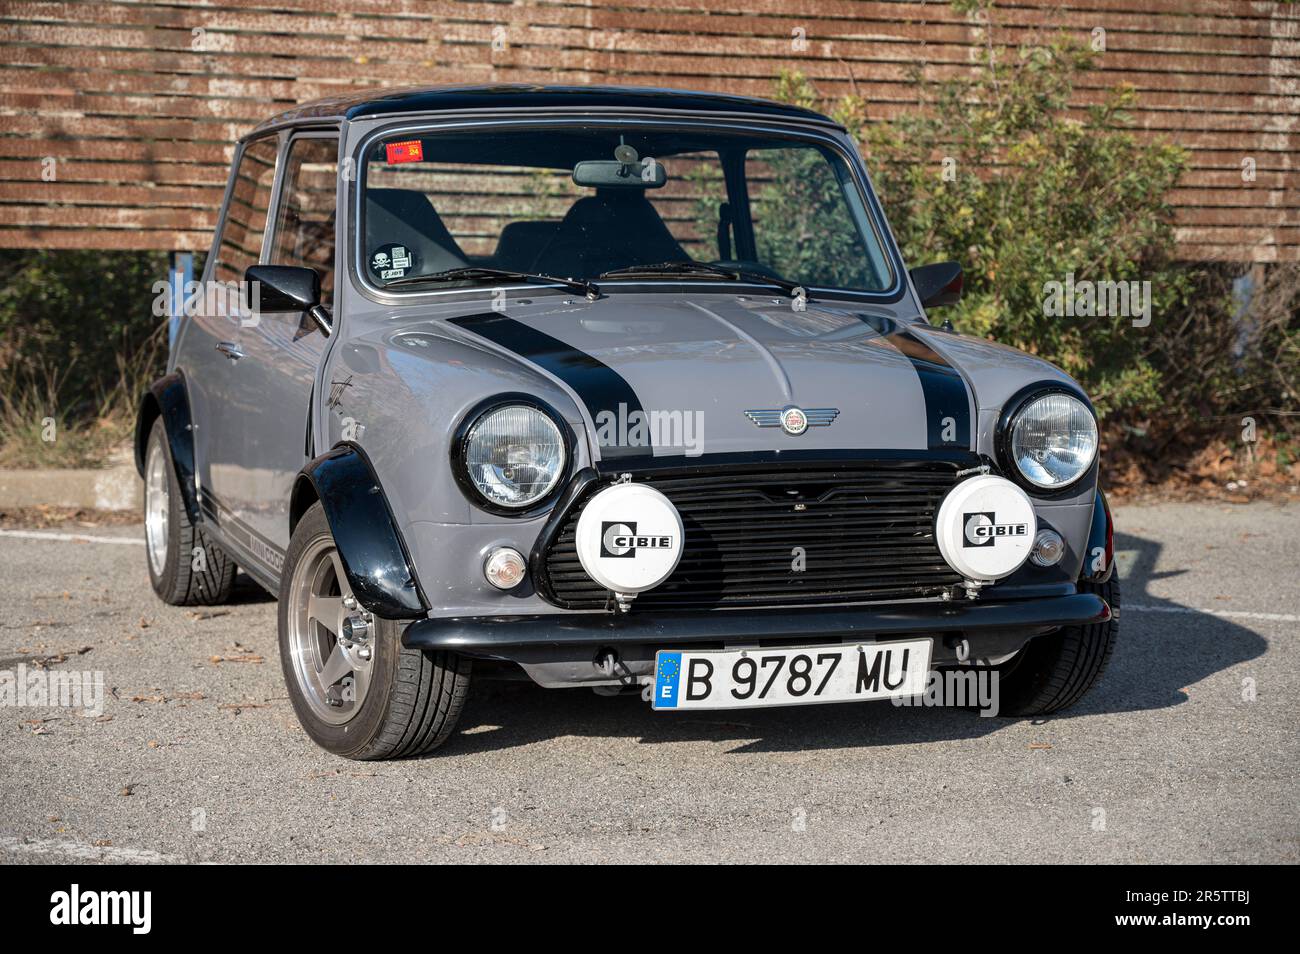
(1047, 438)
(511, 453)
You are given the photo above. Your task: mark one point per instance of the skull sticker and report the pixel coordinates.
(391, 261)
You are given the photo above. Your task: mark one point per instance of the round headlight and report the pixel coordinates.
(514, 455)
(1053, 440)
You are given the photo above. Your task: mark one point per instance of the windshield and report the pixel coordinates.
(584, 201)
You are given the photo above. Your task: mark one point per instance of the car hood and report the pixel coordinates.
(670, 376)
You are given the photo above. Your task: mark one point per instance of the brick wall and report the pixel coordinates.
(132, 106)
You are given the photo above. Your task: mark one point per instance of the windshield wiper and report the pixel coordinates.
(704, 268)
(479, 272)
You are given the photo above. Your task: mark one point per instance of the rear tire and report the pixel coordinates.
(185, 567)
(361, 698)
(1055, 671)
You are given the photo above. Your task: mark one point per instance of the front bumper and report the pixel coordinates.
(1009, 622)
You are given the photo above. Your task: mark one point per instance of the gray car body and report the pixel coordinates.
(397, 377)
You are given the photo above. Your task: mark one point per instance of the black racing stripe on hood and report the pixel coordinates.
(597, 385)
(945, 391)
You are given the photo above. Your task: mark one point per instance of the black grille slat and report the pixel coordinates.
(840, 516)
(867, 532)
(842, 558)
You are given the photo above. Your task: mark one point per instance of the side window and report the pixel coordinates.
(241, 236)
(304, 228)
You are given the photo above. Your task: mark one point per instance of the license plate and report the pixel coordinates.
(797, 676)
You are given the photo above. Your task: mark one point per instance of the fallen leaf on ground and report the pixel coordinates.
(61, 656)
(250, 658)
(238, 707)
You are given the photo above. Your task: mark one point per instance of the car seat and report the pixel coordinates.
(615, 228)
(521, 243)
(407, 217)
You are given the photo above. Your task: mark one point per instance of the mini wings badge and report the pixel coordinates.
(794, 420)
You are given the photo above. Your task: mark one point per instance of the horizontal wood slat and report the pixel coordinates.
(131, 107)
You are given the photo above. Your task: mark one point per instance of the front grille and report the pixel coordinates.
(867, 533)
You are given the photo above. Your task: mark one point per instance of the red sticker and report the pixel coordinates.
(410, 151)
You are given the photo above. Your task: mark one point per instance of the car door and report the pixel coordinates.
(284, 350)
(213, 339)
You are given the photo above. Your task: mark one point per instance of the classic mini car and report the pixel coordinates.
(627, 389)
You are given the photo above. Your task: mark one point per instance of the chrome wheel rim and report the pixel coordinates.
(157, 507)
(332, 670)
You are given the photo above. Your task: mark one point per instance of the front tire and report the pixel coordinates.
(357, 691)
(1055, 671)
(185, 567)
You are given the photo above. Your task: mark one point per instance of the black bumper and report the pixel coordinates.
(491, 634)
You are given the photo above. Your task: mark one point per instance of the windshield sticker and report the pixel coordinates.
(410, 151)
(391, 261)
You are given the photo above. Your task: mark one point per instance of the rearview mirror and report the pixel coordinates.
(287, 288)
(938, 284)
(612, 174)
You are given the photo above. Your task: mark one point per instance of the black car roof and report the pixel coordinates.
(422, 99)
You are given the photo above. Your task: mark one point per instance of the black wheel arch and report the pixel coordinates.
(167, 398)
(374, 554)
(1101, 536)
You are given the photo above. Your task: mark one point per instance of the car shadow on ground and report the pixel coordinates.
(245, 591)
(1162, 649)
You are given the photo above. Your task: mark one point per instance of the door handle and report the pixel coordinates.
(230, 349)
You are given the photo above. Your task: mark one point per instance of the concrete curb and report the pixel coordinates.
(117, 487)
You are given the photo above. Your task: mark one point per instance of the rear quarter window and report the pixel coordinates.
(244, 227)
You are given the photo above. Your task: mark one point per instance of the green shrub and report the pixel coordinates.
(990, 171)
(78, 343)
(993, 170)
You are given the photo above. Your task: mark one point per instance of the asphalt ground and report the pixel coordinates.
(1187, 751)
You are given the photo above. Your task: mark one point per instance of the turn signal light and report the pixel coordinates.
(505, 568)
(1048, 548)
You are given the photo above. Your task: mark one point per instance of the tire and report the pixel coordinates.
(185, 567)
(399, 702)
(1055, 671)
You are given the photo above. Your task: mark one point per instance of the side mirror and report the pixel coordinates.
(938, 284)
(288, 288)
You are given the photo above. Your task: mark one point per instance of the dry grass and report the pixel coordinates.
(65, 518)
(39, 428)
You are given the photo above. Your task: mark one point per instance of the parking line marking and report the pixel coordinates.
(1232, 614)
(74, 537)
(84, 852)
